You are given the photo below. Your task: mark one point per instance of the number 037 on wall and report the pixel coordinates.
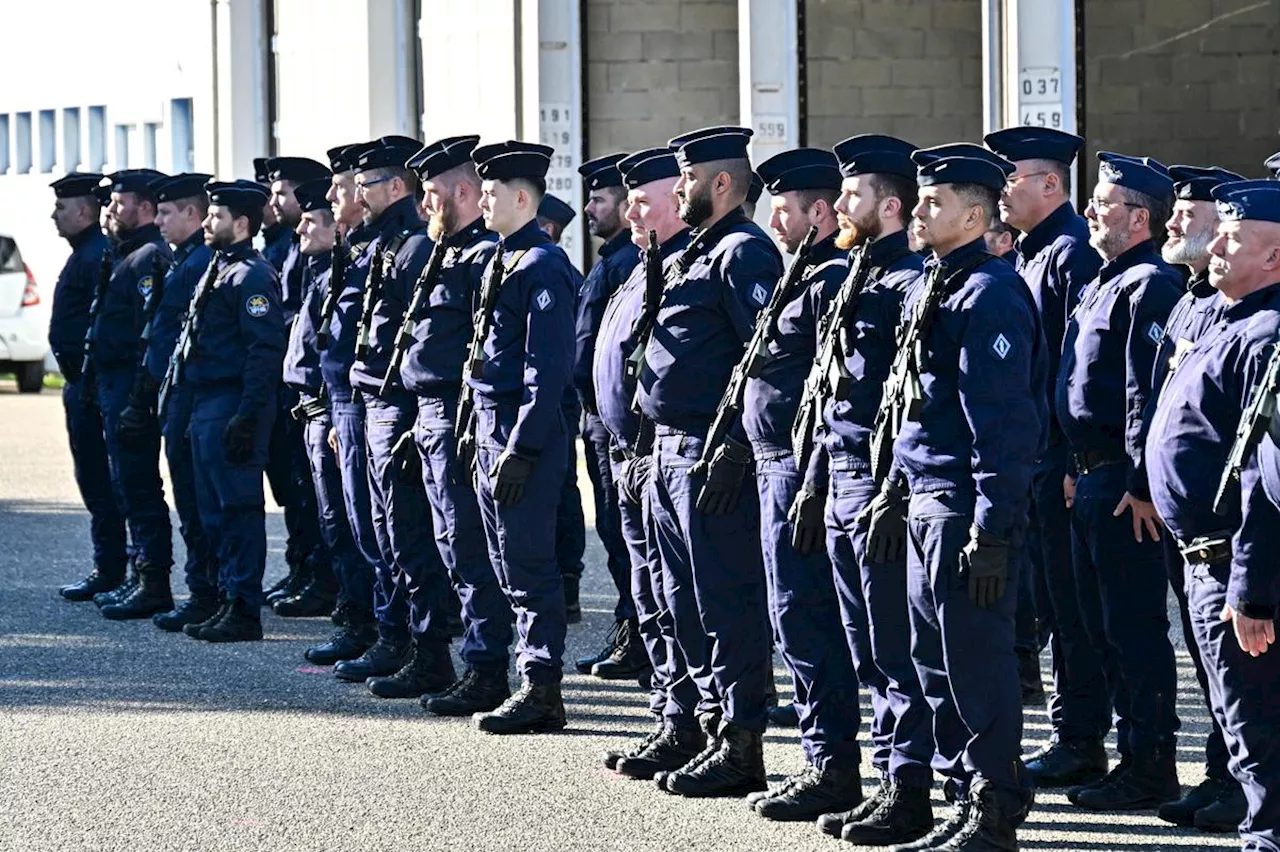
(1040, 97)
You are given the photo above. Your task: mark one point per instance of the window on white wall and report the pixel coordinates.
(182, 135)
(71, 138)
(48, 140)
(149, 132)
(97, 138)
(22, 142)
(123, 134)
(4, 143)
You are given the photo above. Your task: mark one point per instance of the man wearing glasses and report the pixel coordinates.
(1103, 387)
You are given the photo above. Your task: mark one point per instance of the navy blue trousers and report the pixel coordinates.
(571, 523)
(595, 447)
(1123, 593)
(289, 475)
(93, 477)
(416, 595)
(963, 654)
(231, 499)
(353, 467)
(1245, 694)
(135, 473)
(805, 615)
(877, 632)
(201, 567)
(522, 543)
(460, 539)
(349, 565)
(713, 578)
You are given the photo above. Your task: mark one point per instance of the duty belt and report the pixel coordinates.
(618, 455)
(1211, 549)
(309, 409)
(1091, 460)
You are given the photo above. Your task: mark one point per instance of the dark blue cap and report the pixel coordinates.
(755, 189)
(1195, 183)
(602, 172)
(389, 152)
(133, 180)
(647, 166)
(1258, 200)
(342, 158)
(1034, 143)
(442, 155)
(77, 185)
(295, 169)
(512, 159)
(1141, 174)
(240, 194)
(935, 171)
(261, 173)
(958, 149)
(875, 154)
(729, 145)
(1273, 163)
(187, 185)
(675, 143)
(554, 209)
(311, 194)
(800, 168)
(103, 194)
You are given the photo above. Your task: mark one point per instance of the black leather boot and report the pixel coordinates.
(291, 583)
(903, 815)
(988, 828)
(197, 627)
(734, 769)
(1029, 678)
(119, 593)
(584, 665)
(1066, 763)
(628, 659)
(383, 659)
(613, 755)
(709, 724)
(572, 605)
(785, 716)
(667, 750)
(536, 708)
(191, 611)
(1183, 811)
(428, 672)
(152, 596)
(357, 632)
(1225, 813)
(944, 831)
(476, 692)
(96, 583)
(240, 624)
(813, 793)
(1150, 780)
(833, 823)
(317, 598)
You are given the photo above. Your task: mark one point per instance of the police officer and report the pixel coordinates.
(962, 467)
(414, 659)
(1217, 803)
(571, 525)
(340, 292)
(623, 655)
(804, 185)
(75, 215)
(705, 523)
(1103, 387)
(314, 587)
(1055, 259)
(233, 370)
(650, 176)
(520, 437)
(878, 193)
(1231, 579)
(277, 238)
(135, 461)
(180, 211)
(432, 369)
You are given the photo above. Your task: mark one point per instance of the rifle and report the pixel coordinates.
(462, 427)
(829, 378)
(1254, 421)
(187, 337)
(426, 281)
(372, 293)
(91, 333)
(337, 281)
(654, 283)
(757, 352)
(142, 377)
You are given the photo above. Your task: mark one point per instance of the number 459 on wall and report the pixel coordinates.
(1042, 115)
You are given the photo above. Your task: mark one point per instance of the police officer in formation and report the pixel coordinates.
(857, 458)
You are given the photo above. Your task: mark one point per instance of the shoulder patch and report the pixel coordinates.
(1001, 347)
(1155, 333)
(544, 300)
(144, 287)
(759, 295)
(257, 306)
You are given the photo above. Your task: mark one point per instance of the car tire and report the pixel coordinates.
(30, 377)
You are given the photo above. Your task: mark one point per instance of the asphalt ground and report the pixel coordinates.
(116, 736)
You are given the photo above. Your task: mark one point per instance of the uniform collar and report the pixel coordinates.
(84, 236)
(620, 240)
(402, 214)
(183, 250)
(675, 243)
(1199, 285)
(1030, 243)
(237, 251)
(361, 233)
(1143, 252)
(317, 264)
(824, 250)
(527, 237)
(701, 240)
(468, 235)
(272, 232)
(139, 237)
(886, 247)
(1253, 302)
(958, 257)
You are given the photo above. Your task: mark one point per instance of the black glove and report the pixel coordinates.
(465, 469)
(633, 476)
(404, 454)
(719, 494)
(808, 516)
(885, 520)
(984, 563)
(509, 475)
(237, 439)
(134, 423)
